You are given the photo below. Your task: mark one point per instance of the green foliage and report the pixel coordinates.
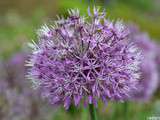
(145, 21)
(139, 4)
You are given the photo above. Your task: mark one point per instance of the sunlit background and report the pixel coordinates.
(19, 20)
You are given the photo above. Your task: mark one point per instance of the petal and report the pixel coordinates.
(67, 103)
(90, 99)
(77, 99)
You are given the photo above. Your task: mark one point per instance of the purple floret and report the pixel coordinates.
(84, 59)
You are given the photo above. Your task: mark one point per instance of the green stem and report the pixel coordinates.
(125, 110)
(92, 2)
(92, 111)
(115, 112)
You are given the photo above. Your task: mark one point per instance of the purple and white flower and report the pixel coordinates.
(84, 59)
(149, 80)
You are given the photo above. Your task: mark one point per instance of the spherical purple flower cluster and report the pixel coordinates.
(84, 59)
(148, 83)
(17, 100)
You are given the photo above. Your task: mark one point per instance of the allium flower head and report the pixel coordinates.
(84, 59)
(17, 100)
(148, 83)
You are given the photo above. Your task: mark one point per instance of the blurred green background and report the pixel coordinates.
(19, 20)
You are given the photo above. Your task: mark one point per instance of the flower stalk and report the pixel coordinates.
(125, 109)
(92, 110)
